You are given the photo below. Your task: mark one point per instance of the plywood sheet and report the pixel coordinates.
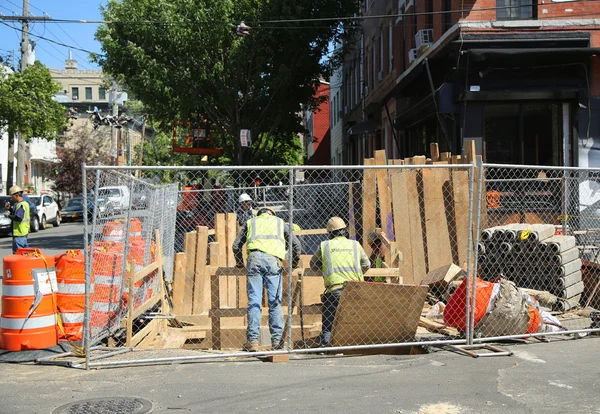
(189, 246)
(369, 200)
(377, 313)
(459, 235)
(201, 302)
(179, 284)
(383, 192)
(438, 216)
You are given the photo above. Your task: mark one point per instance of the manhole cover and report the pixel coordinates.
(114, 405)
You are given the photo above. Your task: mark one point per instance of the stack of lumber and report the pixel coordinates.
(424, 211)
(532, 257)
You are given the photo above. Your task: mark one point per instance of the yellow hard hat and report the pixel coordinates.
(14, 190)
(265, 209)
(335, 223)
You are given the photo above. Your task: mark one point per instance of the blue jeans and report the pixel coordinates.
(331, 301)
(19, 241)
(264, 268)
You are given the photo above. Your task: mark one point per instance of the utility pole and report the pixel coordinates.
(24, 59)
(114, 151)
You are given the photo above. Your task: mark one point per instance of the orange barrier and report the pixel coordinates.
(135, 227)
(456, 308)
(28, 311)
(113, 231)
(70, 298)
(107, 270)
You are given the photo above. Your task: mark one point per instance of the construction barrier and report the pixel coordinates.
(70, 296)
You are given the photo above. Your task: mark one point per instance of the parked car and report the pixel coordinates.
(73, 211)
(116, 197)
(47, 210)
(5, 223)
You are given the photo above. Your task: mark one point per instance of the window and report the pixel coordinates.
(516, 9)
(447, 17)
(74, 93)
(88, 94)
(102, 93)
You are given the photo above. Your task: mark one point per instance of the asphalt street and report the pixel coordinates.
(52, 240)
(557, 377)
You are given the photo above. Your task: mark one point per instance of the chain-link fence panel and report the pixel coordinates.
(537, 253)
(289, 258)
(128, 221)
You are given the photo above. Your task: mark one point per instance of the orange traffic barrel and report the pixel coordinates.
(107, 270)
(70, 299)
(113, 231)
(135, 227)
(28, 313)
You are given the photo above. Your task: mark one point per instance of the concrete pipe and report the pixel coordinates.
(572, 291)
(563, 283)
(480, 248)
(560, 244)
(568, 268)
(498, 236)
(566, 257)
(568, 304)
(505, 247)
(543, 231)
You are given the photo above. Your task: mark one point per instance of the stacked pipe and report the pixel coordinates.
(533, 257)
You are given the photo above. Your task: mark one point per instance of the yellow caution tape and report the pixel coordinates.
(561, 217)
(525, 234)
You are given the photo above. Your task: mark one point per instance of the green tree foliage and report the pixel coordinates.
(27, 106)
(189, 62)
(84, 146)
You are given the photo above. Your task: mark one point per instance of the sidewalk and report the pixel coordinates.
(557, 377)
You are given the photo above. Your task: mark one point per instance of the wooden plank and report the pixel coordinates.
(435, 151)
(164, 303)
(308, 232)
(215, 261)
(399, 183)
(456, 159)
(415, 210)
(369, 200)
(152, 267)
(434, 326)
(179, 284)
(446, 156)
(148, 330)
(231, 233)
(215, 325)
(201, 302)
(419, 160)
(151, 336)
(361, 304)
(470, 151)
(130, 288)
(144, 307)
(460, 207)
(407, 161)
(221, 237)
(436, 193)
(383, 191)
(189, 246)
(351, 222)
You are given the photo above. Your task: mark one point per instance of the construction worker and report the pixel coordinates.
(377, 257)
(266, 237)
(245, 211)
(20, 216)
(341, 260)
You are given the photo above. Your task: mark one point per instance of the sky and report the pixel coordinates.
(73, 34)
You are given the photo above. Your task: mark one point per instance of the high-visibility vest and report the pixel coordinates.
(22, 228)
(265, 233)
(341, 262)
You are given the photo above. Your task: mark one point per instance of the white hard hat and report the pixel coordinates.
(14, 190)
(244, 198)
(335, 223)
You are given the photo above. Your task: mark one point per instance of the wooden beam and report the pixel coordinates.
(435, 151)
(164, 303)
(131, 291)
(215, 325)
(446, 156)
(436, 193)
(201, 302)
(309, 232)
(189, 246)
(221, 237)
(179, 284)
(383, 191)
(152, 267)
(369, 204)
(231, 233)
(460, 207)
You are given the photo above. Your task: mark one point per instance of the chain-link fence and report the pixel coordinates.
(228, 258)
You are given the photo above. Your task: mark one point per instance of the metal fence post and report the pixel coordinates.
(126, 254)
(565, 201)
(290, 254)
(88, 264)
(472, 245)
(469, 250)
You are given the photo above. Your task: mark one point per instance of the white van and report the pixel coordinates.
(116, 197)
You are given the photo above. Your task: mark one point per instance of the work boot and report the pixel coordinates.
(277, 346)
(250, 347)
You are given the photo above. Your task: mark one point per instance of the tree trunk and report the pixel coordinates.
(10, 162)
(21, 150)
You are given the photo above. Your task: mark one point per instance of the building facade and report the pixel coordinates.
(520, 78)
(317, 138)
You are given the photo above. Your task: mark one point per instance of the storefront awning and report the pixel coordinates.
(482, 55)
(364, 127)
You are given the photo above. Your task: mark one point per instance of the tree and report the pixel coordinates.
(85, 146)
(183, 58)
(27, 108)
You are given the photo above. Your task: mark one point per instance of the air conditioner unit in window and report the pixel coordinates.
(424, 38)
(413, 54)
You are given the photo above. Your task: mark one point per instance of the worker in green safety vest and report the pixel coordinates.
(265, 236)
(19, 215)
(341, 260)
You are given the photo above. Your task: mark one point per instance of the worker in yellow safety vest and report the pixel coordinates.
(266, 237)
(341, 260)
(19, 214)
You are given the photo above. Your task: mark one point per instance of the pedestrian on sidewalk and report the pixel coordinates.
(341, 260)
(266, 237)
(19, 214)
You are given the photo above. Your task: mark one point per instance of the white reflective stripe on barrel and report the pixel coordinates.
(107, 280)
(72, 317)
(29, 323)
(113, 238)
(71, 288)
(18, 290)
(105, 307)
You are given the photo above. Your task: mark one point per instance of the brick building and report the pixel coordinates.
(520, 77)
(317, 139)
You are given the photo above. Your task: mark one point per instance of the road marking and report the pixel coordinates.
(560, 385)
(528, 357)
